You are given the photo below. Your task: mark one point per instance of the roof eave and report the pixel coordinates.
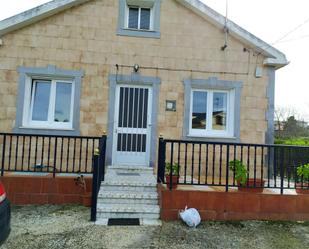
(276, 63)
(36, 14)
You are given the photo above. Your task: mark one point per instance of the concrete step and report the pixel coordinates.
(139, 184)
(140, 179)
(133, 188)
(128, 201)
(126, 197)
(108, 211)
(123, 174)
(123, 168)
(129, 183)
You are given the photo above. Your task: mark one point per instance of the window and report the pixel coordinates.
(139, 18)
(212, 109)
(50, 104)
(48, 101)
(211, 113)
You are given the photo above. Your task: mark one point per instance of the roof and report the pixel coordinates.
(274, 58)
(36, 14)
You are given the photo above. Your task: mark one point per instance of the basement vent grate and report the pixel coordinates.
(123, 222)
(128, 174)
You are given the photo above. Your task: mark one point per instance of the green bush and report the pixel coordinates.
(293, 141)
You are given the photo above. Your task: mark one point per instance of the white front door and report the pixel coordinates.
(132, 127)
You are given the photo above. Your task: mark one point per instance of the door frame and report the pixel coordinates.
(148, 125)
(135, 79)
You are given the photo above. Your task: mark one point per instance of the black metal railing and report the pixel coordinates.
(98, 175)
(207, 163)
(46, 153)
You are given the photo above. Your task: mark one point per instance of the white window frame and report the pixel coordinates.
(139, 17)
(209, 132)
(28, 105)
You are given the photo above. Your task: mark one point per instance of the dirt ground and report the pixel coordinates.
(69, 227)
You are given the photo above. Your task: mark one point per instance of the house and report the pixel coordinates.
(136, 69)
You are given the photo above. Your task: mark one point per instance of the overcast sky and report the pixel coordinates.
(270, 20)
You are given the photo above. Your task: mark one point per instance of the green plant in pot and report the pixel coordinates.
(240, 171)
(303, 176)
(172, 172)
(241, 176)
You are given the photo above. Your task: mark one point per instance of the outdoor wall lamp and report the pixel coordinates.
(136, 68)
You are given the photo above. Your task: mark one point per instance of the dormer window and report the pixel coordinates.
(139, 18)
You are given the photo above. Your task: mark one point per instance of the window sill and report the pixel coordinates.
(212, 138)
(46, 131)
(46, 128)
(139, 33)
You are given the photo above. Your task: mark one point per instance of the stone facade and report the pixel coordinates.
(84, 38)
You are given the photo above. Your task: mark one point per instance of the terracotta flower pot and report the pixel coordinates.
(302, 189)
(174, 180)
(249, 186)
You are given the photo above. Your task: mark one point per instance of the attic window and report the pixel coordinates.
(139, 18)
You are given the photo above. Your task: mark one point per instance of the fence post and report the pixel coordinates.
(227, 168)
(55, 157)
(95, 180)
(102, 146)
(3, 155)
(161, 160)
(281, 162)
(171, 168)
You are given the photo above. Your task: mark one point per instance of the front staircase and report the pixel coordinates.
(128, 192)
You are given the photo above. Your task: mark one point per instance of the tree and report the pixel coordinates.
(289, 123)
(281, 116)
(291, 128)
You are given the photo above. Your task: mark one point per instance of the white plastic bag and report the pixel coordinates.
(191, 217)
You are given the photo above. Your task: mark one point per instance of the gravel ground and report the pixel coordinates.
(69, 227)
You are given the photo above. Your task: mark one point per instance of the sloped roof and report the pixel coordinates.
(36, 14)
(274, 57)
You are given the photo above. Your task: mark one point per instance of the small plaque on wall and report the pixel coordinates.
(170, 105)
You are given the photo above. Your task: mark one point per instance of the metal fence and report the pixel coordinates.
(208, 163)
(55, 154)
(47, 153)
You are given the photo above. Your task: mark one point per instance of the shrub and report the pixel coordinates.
(293, 141)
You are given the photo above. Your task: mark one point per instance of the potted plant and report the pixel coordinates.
(174, 169)
(241, 175)
(303, 174)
